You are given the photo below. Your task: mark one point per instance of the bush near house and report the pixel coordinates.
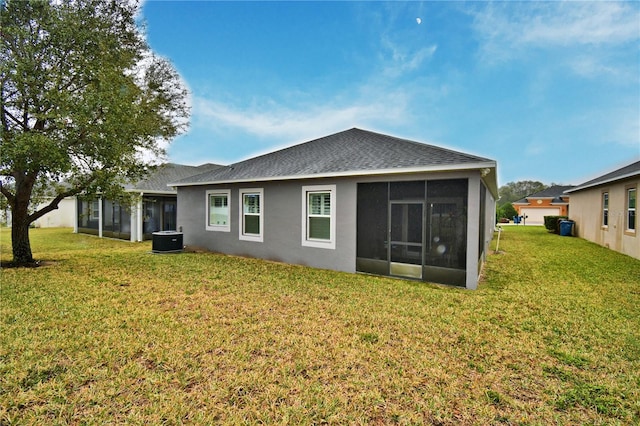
(552, 223)
(506, 211)
(108, 333)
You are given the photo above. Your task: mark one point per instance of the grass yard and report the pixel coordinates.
(106, 332)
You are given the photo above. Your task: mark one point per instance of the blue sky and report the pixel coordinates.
(550, 90)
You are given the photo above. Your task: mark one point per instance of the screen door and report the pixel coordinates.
(406, 232)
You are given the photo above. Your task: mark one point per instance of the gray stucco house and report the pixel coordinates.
(354, 201)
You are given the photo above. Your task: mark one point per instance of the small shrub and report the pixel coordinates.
(552, 223)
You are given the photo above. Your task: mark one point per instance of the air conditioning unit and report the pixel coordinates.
(167, 242)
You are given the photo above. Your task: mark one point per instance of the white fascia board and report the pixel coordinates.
(602, 182)
(154, 192)
(407, 170)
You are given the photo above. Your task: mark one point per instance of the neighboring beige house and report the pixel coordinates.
(604, 210)
(62, 217)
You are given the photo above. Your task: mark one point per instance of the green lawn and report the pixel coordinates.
(106, 332)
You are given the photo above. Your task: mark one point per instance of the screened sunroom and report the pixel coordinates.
(413, 229)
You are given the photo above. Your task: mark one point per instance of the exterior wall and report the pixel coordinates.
(282, 212)
(62, 217)
(282, 232)
(586, 211)
(474, 252)
(487, 224)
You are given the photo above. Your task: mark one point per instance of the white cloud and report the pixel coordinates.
(581, 23)
(291, 123)
(403, 62)
(403, 52)
(589, 67)
(508, 29)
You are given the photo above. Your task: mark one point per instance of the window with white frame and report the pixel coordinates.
(319, 220)
(631, 209)
(605, 209)
(95, 210)
(251, 214)
(218, 210)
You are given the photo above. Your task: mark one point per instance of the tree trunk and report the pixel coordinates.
(20, 220)
(20, 240)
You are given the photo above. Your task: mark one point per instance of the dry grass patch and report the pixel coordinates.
(109, 333)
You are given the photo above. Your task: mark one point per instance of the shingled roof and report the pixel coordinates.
(631, 170)
(157, 181)
(555, 192)
(351, 152)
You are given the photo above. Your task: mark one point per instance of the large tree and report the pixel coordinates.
(86, 105)
(514, 191)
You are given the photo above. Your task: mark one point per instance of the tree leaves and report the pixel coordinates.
(83, 97)
(514, 191)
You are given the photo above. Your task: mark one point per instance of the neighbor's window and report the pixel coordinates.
(605, 209)
(251, 211)
(318, 222)
(95, 210)
(218, 211)
(631, 209)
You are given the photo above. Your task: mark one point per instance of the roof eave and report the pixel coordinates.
(393, 171)
(153, 192)
(603, 182)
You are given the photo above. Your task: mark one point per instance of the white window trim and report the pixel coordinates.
(628, 209)
(250, 237)
(325, 244)
(604, 208)
(219, 228)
